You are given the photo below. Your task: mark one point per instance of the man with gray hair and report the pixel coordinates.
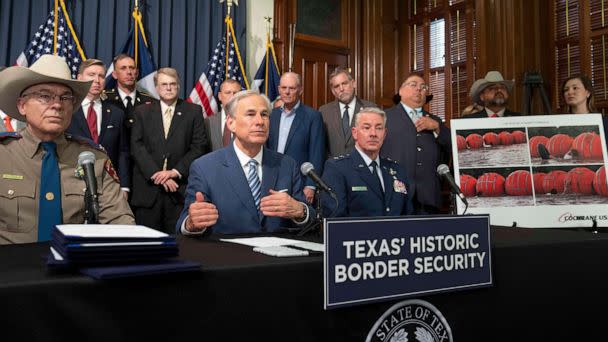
(338, 114)
(244, 187)
(365, 184)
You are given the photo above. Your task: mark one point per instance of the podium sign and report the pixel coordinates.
(376, 259)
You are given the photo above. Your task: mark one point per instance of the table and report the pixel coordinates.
(549, 285)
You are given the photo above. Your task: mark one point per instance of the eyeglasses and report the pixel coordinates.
(415, 85)
(47, 98)
(168, 85)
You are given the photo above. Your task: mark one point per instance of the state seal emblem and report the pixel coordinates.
(411, 320)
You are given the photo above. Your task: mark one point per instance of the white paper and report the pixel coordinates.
(109, 231)
(280, 251)
(56, 254)
(266, 241)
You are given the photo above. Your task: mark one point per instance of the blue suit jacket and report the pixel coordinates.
(220, 177)
(419, 153)
(359, 194)
(306, 139)
(113, 137)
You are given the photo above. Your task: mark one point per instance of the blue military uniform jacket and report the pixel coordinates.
(359, 194)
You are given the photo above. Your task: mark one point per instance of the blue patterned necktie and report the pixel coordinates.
(254, 182)
(49, 209)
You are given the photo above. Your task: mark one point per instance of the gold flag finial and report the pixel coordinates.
(229, 3)
(267, 20)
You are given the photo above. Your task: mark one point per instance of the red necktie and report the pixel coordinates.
(494, 115)
(92, 122)
(8, 125)
(226, 136)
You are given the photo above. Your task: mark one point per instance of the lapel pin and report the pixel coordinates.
(179, 113)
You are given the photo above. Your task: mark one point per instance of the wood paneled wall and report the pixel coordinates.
(513, 36)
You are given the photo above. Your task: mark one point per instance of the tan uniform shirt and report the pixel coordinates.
(20, 167)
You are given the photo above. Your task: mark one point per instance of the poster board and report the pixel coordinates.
(533, 171)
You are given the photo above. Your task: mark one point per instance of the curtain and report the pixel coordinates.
(181, 33)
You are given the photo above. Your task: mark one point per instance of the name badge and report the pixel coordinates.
(15, 177)
(359, 188)
(109, 126)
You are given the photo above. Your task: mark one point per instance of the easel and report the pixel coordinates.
(533, 79)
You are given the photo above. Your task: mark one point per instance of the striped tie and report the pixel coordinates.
(254, 182)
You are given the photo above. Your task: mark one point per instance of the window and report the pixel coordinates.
(442, 47)
(581, 43)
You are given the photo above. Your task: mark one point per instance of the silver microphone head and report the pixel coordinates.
(86, 157)
(443, 169)
(306, 168)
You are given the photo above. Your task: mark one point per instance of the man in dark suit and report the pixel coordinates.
(492, 92)
(419, 142)
(244, 187)
(126, 96)
(102, 122)
(167, 136)
(338, 115)
(216, 124)
(365, 184)
(297, 130)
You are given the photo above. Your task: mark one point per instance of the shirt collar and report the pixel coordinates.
(293, 110)
(86, 102)
(244, 159)
(164, 106)
(122, 94)
(31, 143)
(408, 110)
(500, 113)
(366, 158)
(350, 105)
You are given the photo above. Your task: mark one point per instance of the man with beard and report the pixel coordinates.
(492, 92)
(338, 115)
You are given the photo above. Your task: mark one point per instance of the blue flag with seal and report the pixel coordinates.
(266, 80)
(136, 46)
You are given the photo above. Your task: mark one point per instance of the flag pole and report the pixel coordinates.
(55, 27)
(74, 36)
(268, 52)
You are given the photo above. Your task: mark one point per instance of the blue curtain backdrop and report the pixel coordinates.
(181, 33)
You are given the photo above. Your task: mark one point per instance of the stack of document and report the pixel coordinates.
(111, 251)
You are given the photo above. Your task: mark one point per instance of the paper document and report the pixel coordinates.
(269, 241)
(109, 231)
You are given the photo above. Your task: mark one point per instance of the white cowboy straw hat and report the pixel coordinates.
(492, 77)
(47, 69)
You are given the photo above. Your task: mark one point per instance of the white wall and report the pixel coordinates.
(256, 33)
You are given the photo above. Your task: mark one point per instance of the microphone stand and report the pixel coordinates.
(316, 223)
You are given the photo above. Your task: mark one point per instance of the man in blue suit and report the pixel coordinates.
(102, 122)
(365, 184)
(419, 142)
(297, 130)
(244, 187)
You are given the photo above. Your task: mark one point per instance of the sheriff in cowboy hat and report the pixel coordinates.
(39, 186)
(492, 92)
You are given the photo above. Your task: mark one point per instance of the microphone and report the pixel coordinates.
(308, 170)
(86, 161)
(444, 171)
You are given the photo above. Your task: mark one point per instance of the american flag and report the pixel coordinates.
(42, 44)
(208, 85)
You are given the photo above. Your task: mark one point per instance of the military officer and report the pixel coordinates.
(365, 184)
(39, 187)
(125, 95)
